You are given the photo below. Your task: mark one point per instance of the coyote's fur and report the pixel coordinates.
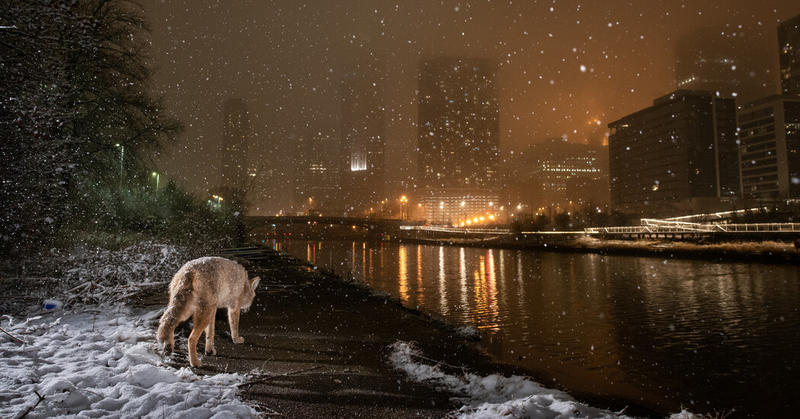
(198, 289)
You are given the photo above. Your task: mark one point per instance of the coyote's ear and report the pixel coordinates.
(254, 282)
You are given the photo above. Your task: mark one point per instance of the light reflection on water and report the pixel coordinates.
(666, 334)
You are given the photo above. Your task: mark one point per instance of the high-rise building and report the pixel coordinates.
(789, 52)
(235, 129)
(676, 157)
(458, 135)
(769, 132)
(316, 165)
(568, 173)
(459, 124)
(725, 60)
(363, 133)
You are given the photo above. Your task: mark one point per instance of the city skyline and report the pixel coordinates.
(559, 69)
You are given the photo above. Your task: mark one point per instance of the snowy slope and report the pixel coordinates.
(103, 364)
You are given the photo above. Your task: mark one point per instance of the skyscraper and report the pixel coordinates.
(315, 171)
(363, 133)
(676, 157)
(769, 131)
(458, 135)
(725, 60)
(235, 129)
(789, 52)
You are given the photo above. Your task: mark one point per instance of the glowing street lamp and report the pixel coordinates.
(403, 207)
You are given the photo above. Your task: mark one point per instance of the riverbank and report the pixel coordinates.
(315, 345)
(739, 251)
(318, 345)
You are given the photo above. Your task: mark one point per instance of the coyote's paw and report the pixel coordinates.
(211, 351)
(166, 349)
(238, 339)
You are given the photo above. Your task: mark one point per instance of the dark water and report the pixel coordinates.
(709, 337)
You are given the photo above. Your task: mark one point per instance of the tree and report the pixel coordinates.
(74, 85)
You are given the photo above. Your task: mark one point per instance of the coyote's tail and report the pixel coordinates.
(176, 310)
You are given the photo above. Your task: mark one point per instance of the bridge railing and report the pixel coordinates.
(759, 227)
(459, 230)
(677, 227)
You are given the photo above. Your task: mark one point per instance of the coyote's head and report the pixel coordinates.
(248, 294)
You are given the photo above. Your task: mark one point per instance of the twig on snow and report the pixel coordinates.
(34, 406)
(12, 336)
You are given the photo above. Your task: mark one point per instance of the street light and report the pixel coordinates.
(463, 214)
(403, 206)
(158, 179)
(441, 207)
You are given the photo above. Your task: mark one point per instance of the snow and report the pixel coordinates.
(494, 395)
(101, 363)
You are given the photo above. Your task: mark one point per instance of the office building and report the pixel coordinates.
(569, 174)
(676, 157)
(769, 132)
(363, 133)
(458, 134)
(316, 172)
(725, 60)
(789, 55)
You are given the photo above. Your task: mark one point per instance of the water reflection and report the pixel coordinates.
(403, 274)
(661, 333)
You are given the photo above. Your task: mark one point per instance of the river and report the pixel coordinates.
(664, 334)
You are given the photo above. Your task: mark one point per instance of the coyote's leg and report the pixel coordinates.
(233, 322)
(200, 319)
(210, 335)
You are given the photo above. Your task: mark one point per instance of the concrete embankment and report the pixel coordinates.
(717, 250)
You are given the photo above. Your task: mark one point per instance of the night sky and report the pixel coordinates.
(563, 64)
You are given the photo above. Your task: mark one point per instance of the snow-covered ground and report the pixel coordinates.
(496, 396)
(97, 363)
(98, 357)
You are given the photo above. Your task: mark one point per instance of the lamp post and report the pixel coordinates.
(158, 179)
(403, 206)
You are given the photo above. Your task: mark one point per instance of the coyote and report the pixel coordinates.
(198, 289)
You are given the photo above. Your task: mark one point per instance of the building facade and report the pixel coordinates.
(789, 53)
(458, 134)
(363, 137)
(725, 60)
(676, 157)
(769, 132)
(569, 174)
(316, 164)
